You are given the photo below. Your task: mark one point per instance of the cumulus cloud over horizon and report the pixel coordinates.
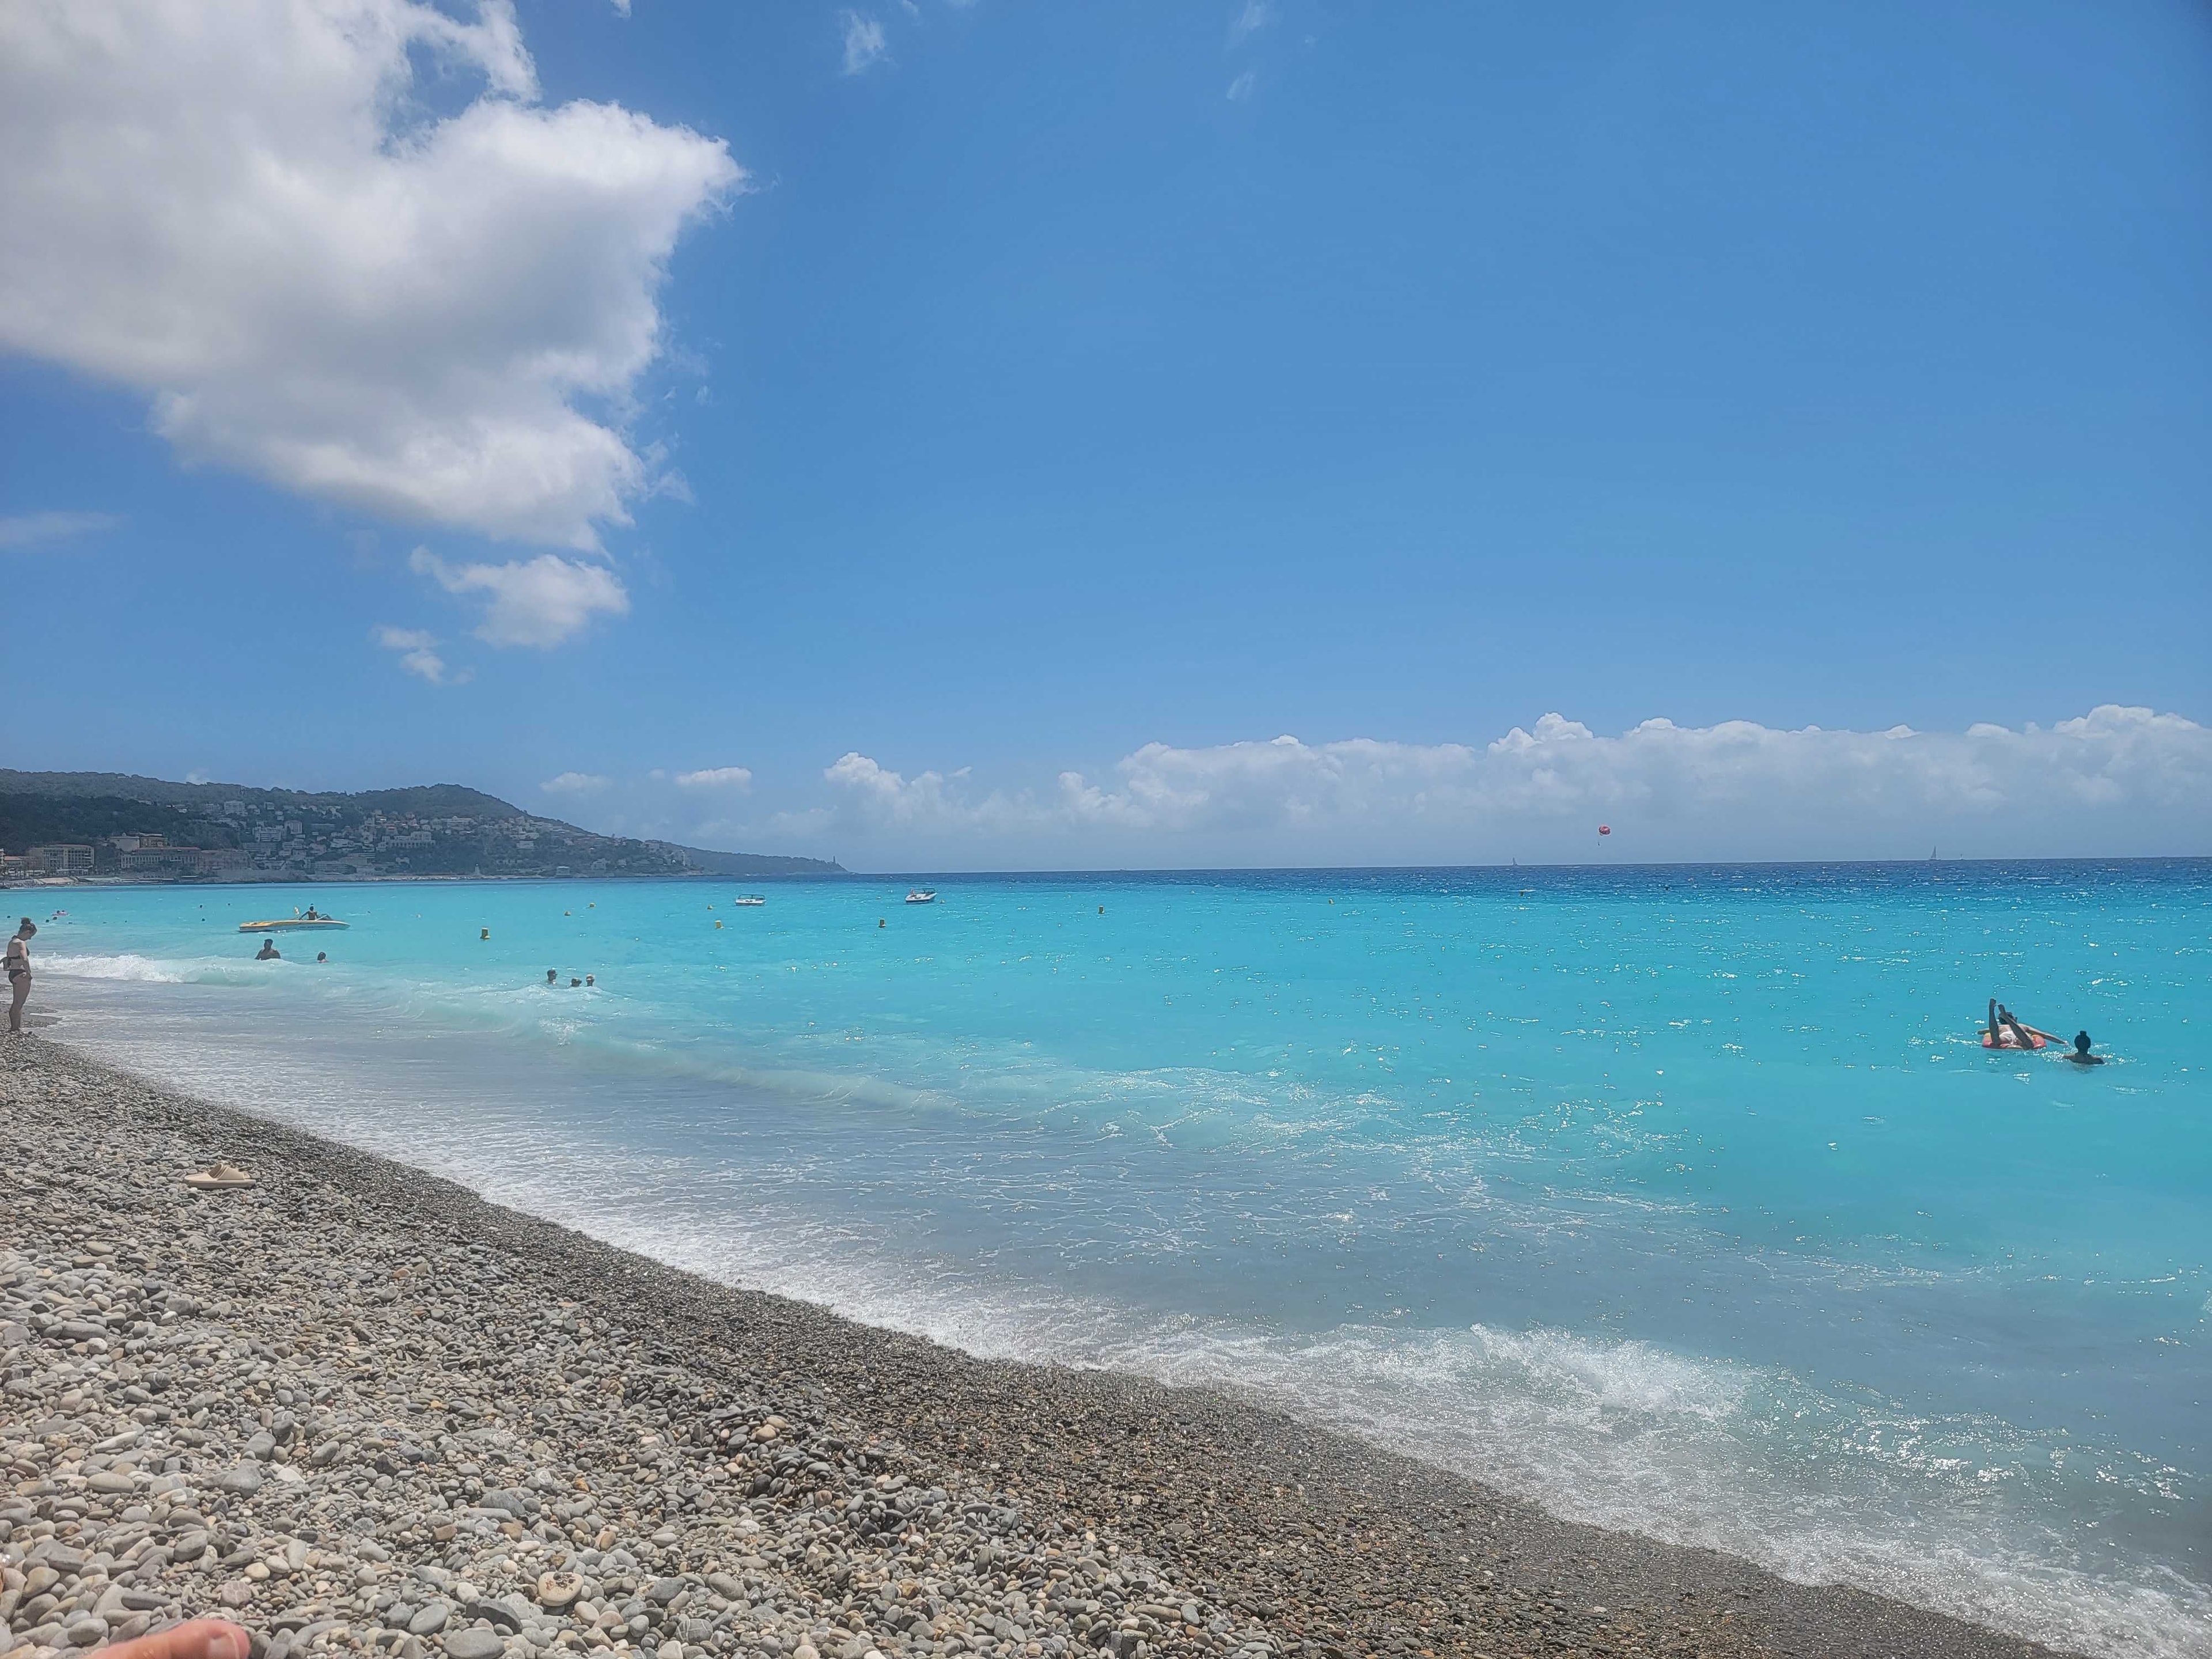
(2118, 780)
(716, 777)
(576, 783)
(538, 602)
(249, 213)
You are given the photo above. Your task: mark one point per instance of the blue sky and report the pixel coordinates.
(986, 393)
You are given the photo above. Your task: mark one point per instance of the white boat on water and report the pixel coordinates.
(287, 924)
(918, 897)
(748, 898)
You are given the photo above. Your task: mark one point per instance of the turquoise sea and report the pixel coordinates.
(1681, 1200)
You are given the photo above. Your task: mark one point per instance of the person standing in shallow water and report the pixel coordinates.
(18, 973)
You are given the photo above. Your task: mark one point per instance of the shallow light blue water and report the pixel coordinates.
(1681, 1200)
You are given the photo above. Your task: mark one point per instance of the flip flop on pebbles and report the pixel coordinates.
(218, 1178)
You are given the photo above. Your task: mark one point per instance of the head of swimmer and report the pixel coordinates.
(2081, 1043)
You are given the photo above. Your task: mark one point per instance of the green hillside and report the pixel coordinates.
(430, 830)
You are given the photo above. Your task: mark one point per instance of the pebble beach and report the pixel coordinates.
(361, 1411)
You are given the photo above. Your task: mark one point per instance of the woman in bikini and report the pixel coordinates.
(18, 973)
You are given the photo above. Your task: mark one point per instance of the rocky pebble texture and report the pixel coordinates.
(360, 1411)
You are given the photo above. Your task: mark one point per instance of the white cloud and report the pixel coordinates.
(865, 46)
(931, 802)
(248, 211)
(1251, 18)
(2117, 780)
(576, 783)
(716, 777)
(30, 529)
(418, 654)
(540, 601)
(1241, 88)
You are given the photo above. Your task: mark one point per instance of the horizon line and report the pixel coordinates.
(1415, 869)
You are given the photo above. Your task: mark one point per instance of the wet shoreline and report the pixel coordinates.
(1280, 1536)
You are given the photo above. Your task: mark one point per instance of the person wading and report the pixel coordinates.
(18, 973)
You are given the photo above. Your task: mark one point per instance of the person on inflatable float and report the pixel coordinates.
(2007, 1032)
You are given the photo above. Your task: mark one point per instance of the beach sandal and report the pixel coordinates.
(218, 1178)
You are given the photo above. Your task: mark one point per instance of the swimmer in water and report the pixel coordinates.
(553, 977)
(268, 953)
(2081, 1056)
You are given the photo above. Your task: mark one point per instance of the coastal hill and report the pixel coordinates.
(154, 828)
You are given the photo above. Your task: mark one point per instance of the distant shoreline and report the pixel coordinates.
(272, 879)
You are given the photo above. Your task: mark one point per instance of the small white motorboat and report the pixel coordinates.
(748, 898)
(918, 897)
